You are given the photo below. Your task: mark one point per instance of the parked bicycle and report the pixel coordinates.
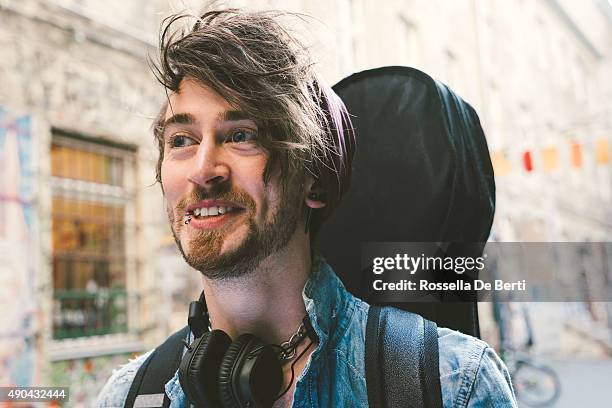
(535, 384)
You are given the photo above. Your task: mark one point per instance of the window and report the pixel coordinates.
(90, 204)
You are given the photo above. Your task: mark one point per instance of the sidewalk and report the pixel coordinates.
(584, 383)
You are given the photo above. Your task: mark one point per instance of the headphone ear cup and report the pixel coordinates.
(249, 373)
(199, 367)
(229, 369)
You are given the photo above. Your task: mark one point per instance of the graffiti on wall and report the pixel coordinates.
(17, 277)
(85, 376)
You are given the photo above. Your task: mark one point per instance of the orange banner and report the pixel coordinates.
(550, 158)
(576, 155)
(501, 164)
(602, 151)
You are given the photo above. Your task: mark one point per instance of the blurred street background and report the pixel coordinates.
(89, 272)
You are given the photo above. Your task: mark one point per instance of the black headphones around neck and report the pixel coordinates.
(216, 372)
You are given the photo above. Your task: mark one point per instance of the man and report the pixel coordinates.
(255, 152)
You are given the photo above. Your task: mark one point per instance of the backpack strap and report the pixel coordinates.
(401, 361)
(148, 386)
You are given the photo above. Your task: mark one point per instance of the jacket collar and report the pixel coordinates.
(329, 307)
(328, 304)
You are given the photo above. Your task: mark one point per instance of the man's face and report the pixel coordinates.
(212, 172)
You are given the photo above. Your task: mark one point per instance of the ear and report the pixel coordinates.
(314, 195)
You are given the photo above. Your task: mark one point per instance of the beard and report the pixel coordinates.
(261, 241)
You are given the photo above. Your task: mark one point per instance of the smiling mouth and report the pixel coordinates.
(211, 213)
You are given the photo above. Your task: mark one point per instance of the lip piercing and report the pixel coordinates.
(187, 218)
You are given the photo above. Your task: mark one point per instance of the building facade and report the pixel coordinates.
(87, 263)
(83, 238)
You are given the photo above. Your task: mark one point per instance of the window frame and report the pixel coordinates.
(124, 194)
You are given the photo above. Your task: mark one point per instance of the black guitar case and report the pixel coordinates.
(421, 173)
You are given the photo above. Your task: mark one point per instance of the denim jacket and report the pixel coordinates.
(471, 374)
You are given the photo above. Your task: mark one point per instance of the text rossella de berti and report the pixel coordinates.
(387, 270)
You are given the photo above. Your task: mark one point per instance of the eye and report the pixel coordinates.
(180, 141)
(241, 136)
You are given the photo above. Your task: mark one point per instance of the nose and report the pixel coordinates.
(209, 168)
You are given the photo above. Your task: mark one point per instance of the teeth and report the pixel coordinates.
(217, 210)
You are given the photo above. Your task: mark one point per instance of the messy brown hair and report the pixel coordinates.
(255, 64)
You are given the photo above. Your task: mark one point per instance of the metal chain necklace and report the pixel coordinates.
(288, 348)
